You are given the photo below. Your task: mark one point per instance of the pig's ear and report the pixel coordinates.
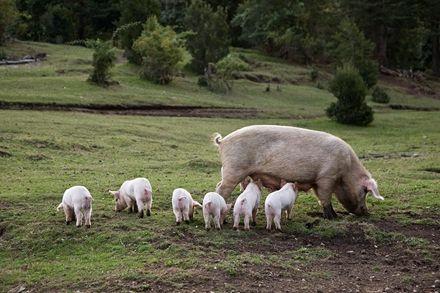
(114, 193)
(282, 182)
(371, 185)
(197, 204)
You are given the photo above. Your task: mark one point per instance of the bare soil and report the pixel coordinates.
(357, 264)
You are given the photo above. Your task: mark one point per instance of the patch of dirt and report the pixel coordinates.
(372, 156)
(38, 157)
(5, 154)
(141, 110)
(433, 170)
(414, 108)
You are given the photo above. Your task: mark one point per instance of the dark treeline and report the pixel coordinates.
(398, 33)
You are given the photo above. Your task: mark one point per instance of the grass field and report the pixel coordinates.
(51, 151)
(61, 79)
(395, 248)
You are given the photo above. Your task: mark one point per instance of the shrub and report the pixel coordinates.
(134, 14)
(104, 57)
(161, 50)
(349, 45)
(350, 90)
(209, 40)
(380, 96)
(124, 37)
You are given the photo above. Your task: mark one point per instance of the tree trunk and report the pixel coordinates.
(382, 45)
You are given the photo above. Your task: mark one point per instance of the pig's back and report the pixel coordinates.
(284, 150)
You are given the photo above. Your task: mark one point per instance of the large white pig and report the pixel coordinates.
(311, 158)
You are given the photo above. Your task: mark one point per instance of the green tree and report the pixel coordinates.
(104, 58)
(430, 11)
(161, 50)
(348, 87)
(8, 14)
(209, 41)
(349, 45)
(57, 23)
(133, 14)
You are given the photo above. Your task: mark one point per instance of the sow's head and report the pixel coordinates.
(353, 198)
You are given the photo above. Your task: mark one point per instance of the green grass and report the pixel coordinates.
(52, 151)
(43, 153)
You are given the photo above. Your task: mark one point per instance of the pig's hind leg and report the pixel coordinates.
(230, 179)
(68, 212)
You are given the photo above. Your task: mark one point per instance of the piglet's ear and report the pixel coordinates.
(115, 193)
(283, 182)
(371, 185)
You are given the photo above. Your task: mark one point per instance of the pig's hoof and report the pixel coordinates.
(148, 213)
(235, 228)
(88, 226)
(77, 226)
(177, 223)
(254, 224)
(141, 214)
(329, 213)
(67, 222)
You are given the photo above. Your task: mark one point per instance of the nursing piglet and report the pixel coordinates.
(183, 205)
(279, 201)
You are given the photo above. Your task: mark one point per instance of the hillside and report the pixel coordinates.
(62, 79)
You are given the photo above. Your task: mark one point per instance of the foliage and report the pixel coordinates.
(314, 74)
(161, 50)
(104, 57)
(349, 45)
(348, 87)
(380, 96)
(209, 41)
(57, 24)
(124, 37)
(8, 13)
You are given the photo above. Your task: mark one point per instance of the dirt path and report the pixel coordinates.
(140, 110)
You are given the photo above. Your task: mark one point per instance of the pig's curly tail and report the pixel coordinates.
(217, 138)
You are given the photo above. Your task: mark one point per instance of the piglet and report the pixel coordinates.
(135, 194)
(183, 205)
(247, 204)
(77, 203)
(278, 202)
(214, 206)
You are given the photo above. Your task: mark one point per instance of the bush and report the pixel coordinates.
(350, 90)
(349, 45)
(209, 40)
(103, 60)
(134, 14)
(380, 96)
(161, 50)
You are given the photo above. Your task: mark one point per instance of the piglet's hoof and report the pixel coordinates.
(77, 226)
(141, 214)
(177, 223)
(148, 213)
(254, 224)
(88, 226)
(67, 222)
